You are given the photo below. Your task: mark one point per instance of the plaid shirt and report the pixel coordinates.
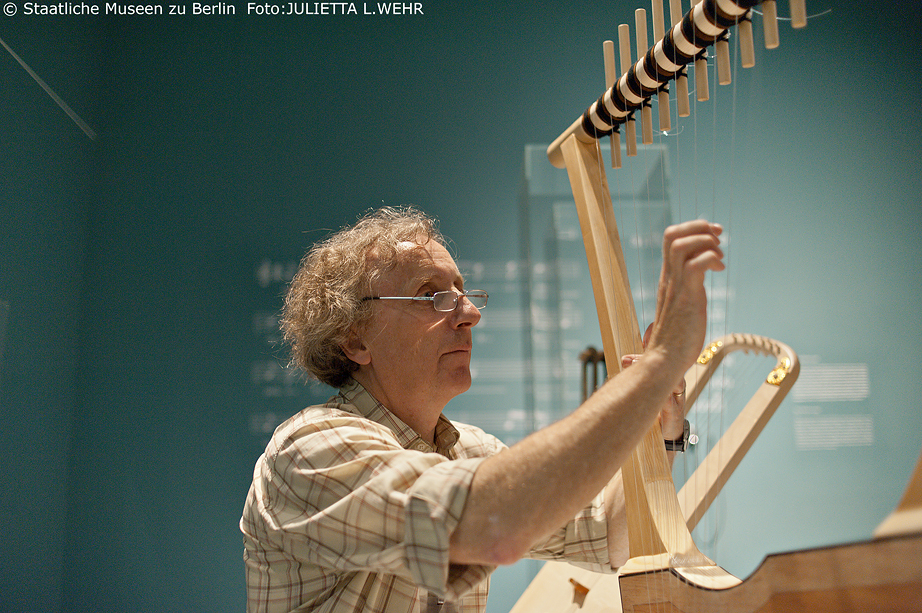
(351, 511)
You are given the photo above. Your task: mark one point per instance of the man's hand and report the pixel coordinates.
(520, 496)
(690, 249)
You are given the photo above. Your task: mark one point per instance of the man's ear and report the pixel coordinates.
(355, 349)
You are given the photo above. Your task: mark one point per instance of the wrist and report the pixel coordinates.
(679, 444)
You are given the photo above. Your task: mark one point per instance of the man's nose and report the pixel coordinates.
(467, 313)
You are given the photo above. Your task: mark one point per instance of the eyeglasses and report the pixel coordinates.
(443, 301)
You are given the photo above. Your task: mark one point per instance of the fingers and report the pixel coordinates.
(694, 244)
(690, 250)
(679, 392)
(695, 226)
(692, 237)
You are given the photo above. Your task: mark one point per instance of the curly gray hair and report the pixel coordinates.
(324, 304)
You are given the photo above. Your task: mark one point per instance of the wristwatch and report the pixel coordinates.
(681, 444)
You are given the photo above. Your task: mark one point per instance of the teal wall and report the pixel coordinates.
(134, 266)
(48, 177)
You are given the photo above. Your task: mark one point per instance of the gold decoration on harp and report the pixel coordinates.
(777, 375)
(709, 352)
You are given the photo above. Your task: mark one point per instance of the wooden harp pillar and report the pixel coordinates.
(648, 475)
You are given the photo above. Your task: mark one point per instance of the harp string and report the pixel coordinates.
(738, 376)
(647, 236)
(648, 185)
(644, 236)
(696, 200)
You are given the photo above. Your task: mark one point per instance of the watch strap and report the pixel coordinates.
(681, 444)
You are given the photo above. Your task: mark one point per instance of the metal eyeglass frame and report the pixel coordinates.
(474, 296)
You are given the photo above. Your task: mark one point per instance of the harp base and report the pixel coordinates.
(883, 575)
(900, 522)
(710, 577)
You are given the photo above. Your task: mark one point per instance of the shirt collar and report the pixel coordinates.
(446, 435)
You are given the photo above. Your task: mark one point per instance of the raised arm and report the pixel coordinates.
(530, 490)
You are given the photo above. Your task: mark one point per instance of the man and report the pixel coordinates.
(375, 501)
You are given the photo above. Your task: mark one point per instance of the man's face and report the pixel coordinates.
(418, 358)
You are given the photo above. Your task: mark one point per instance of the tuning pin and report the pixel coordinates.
(681, 81)
(747, 47)
(659, 31)
(630, 137)
(798, 14)
(681, 94)
(615, 142)
(701, 76)
(611, 70)
(646, 112)
(724, 75)
(611, 77)
(640, 24)
(630, 129)
(664, 108)
(659, 19)
(770, 23)
(675, 11)
(646, 123)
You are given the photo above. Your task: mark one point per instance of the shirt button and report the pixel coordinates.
(421, 446)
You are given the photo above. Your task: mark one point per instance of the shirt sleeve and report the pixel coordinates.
(343, 494)
(583, 541)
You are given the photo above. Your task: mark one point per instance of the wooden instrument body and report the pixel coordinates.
(883, 575)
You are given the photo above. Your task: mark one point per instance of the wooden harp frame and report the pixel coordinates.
(883, 574)
(703, 486)
(655, 522)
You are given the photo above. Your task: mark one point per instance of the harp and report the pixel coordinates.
(666, 570)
